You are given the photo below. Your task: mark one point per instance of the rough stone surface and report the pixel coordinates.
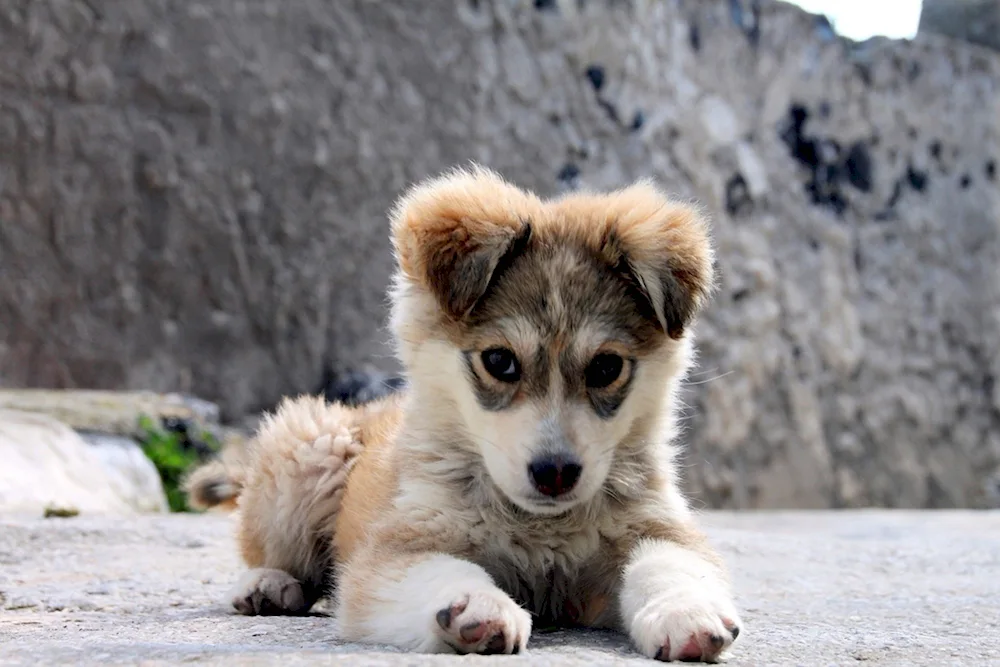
(192, 198)
(44, 463)
(976, 21)
(873, 588)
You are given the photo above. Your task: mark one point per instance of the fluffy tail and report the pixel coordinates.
(217, 483)
(290, 438)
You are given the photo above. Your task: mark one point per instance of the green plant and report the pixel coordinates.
(174, 449)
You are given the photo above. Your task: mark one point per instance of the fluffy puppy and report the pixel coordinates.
(526, 473)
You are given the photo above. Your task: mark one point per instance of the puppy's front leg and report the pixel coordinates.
(676, 602)
(429, 602)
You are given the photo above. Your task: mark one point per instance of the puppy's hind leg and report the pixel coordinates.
(295, 479)
(265, 592)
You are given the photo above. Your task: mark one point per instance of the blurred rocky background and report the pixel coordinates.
(193, 198)
(976, 21)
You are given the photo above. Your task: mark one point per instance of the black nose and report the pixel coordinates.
(554, 475)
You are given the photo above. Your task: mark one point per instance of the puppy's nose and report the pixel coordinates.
(554, 475)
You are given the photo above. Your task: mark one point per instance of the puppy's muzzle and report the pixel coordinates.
(554, 476)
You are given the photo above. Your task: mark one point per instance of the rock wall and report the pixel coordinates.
(976, 21)
(192, 198)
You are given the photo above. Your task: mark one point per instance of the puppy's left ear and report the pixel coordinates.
(664, 248)
(454, 233)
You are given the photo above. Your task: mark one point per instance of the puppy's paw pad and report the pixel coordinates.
(688, 629)
(266, 592)
(486, 623)
(700, 647)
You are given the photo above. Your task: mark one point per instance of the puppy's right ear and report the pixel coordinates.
(452, 234)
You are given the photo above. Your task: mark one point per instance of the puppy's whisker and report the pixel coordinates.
(702, 372)
(712, 379)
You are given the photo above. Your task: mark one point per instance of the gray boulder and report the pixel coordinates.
(131, 474)
(47, 466)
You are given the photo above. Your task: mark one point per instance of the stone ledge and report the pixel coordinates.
(111, 412)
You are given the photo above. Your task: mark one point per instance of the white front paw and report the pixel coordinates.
(486, 622)
(691, 623)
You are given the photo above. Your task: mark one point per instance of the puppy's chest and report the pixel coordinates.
(565, 575)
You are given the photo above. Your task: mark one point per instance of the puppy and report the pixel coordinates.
(526, 473)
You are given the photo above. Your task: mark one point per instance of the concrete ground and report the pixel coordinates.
(847, 588)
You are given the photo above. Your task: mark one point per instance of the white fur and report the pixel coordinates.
(404, 610)
(671, 594)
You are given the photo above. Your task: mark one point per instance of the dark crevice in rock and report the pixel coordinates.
(610, 109)
(935, 149)
(738, 199)
(917, 178)
(595, 74)
(914, 178)
(859, 167)
(694, 37)
(864, 72)
(747, 18)
(638, 120)
(828, 164)
(569, 174)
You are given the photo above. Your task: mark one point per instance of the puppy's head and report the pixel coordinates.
(546, 336)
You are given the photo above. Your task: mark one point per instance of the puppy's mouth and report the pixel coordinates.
(544, 505)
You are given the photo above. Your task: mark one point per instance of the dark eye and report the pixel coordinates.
(603, 370)
(501, 364)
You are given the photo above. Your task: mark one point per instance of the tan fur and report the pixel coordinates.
(417, 510)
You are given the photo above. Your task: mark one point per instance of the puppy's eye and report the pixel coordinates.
(501, 364)
(603, 370)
